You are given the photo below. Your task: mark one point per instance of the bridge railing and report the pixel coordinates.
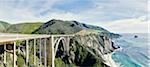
(42, 43)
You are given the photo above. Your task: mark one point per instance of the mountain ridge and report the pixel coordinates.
(59, 27)
(65, 27)
(23, 28)
(3, 26)
(86, 48)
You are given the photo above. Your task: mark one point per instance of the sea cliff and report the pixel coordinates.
(91, 46)
(88, 50)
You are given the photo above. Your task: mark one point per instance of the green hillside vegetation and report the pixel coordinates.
(3, 26)
(71, 27)
(65, 27)
(24, 28)
(81, 54)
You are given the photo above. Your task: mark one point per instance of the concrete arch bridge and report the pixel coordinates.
(42, 47)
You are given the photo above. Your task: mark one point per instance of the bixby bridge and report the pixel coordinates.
(44, 45)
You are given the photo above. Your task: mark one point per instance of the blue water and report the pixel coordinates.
(134, 52)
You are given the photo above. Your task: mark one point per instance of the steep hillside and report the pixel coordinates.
(87, 48)
(3, 26)
(25, 28)
(65, 27)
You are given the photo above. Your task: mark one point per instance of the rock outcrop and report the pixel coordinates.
(88, 47)
(87, 50)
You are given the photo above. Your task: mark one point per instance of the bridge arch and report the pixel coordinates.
(57, 42)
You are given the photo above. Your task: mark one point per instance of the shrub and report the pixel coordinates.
(20, 61)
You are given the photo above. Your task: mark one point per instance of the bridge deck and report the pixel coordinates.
(13, 38)
(6, 37)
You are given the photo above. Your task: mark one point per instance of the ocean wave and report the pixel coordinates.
(132, 53)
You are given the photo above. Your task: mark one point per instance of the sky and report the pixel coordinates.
(114, 15)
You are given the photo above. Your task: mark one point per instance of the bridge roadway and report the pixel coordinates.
(6, 38)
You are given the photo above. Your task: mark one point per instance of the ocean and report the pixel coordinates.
(134, 50)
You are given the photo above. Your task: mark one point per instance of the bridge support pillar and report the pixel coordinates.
(34, 51)
(53, 55)
(14, 55)
(40, 62)
(27, 52)
(45, 54)
(4, 53)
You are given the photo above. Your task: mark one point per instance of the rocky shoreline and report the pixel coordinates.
(91, 48)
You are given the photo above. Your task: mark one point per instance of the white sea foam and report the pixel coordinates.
(133, 51)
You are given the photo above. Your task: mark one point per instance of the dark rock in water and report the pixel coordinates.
(135, 36)
(115, 47)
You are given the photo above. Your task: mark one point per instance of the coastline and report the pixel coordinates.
(109, 61)
(133, 47)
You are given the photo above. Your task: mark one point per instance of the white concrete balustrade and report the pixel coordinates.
(6, 38)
